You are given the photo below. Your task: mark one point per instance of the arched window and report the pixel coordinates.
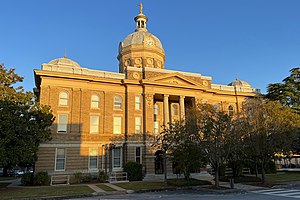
(230, 110)
(175, 109)
(63, 98)
(95, 101)
(118, 102)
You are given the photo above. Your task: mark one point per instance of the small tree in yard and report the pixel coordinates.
(269, 128)
(183, 145)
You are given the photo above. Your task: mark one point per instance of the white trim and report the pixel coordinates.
(121, 160)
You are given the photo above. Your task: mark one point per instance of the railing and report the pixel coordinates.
(117, 176)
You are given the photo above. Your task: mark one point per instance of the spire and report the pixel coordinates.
(141, 20)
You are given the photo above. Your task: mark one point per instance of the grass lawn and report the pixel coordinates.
(4, 178)
(140, 185)
(283, 177)
(183, 182)
(17, 193)
(105, 187)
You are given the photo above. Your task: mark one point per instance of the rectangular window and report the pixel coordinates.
(137, 102)
(138, 125)
(62, 123)
(94, 124)
(60, 159)
(93, 158)
(138, 155)
(117, 157)
(156, 127)
(117, 125)
(155, 109)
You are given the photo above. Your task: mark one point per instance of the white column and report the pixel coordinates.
(182, 112)
(166, 110)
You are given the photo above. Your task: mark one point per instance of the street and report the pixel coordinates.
(274, 194)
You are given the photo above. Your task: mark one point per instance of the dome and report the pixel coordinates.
(66, 62)
(138, 38)
(240, 83)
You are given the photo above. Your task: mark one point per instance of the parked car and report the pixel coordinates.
(19, 172)
(1, 171)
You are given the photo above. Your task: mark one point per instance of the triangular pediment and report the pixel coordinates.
(174, 79)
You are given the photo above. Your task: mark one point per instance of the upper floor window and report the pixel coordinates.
(62, 123)
(230, 110)
(63, 98)
(137, 102)
(138, 125)
(175, 109)
(95, 101)
(118, 102)
(117, 125)
(94, 124)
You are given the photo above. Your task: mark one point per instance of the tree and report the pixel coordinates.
(268, 128)
(288, 92)
(183, 145)
(215, 128)
(24, 123)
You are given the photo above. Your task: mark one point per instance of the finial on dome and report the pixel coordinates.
(236, 77)
(141, 8)
(65, 54)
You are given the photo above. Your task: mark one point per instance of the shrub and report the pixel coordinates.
(27, 179)
(134, 171)
(82, 178)
(102, 176)
(41, 178)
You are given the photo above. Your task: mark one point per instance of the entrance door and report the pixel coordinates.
(159, 162)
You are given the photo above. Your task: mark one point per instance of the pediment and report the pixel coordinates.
(174, 79)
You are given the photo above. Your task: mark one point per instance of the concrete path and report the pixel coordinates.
(96, 189)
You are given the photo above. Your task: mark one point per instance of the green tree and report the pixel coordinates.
(288, 92)
(24, 123)
(215, 128)
(181, 139)
(268, 128)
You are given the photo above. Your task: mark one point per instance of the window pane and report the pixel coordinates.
(62, 123)
(156, 127)
(155, 109)
(174, 109)
(94, 124)
(137, 103)
(117, 157)
(117, 102)
(63, 99)
(95, 101)
(117, 125)
(93, 158)
(138, 125)
(60, 159)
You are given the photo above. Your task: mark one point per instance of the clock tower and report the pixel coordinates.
(141, 49)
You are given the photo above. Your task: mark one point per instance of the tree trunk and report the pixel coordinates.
(263, 175)
(217, 175)
(256, 170)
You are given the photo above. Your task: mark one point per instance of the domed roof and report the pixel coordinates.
(66, 62)
(138, 38)
(240, 83)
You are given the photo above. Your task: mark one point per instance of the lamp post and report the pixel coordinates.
(164, 147)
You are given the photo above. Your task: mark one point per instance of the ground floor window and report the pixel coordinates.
(93, 158)
(138, 155)
(117, 157)
(60, 159)
(159, 162)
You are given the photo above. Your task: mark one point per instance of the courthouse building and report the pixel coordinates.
(104, 119)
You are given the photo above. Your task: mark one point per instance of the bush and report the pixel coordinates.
(102, 176)
(41, 178)
(27, 179)
(134, 171)
(81, 178)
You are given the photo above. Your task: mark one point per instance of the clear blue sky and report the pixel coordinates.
(258, 40)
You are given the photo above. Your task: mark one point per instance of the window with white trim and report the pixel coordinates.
(60, 159)
(94, 124)
(138, 125)
(117, 125)
(62, 123)
(138, 155)
(63, 99)
(175, 110)
(156, 127)
(93, 158)
(95, 101)
(117, 157)
(117, 102)
(137, 102)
